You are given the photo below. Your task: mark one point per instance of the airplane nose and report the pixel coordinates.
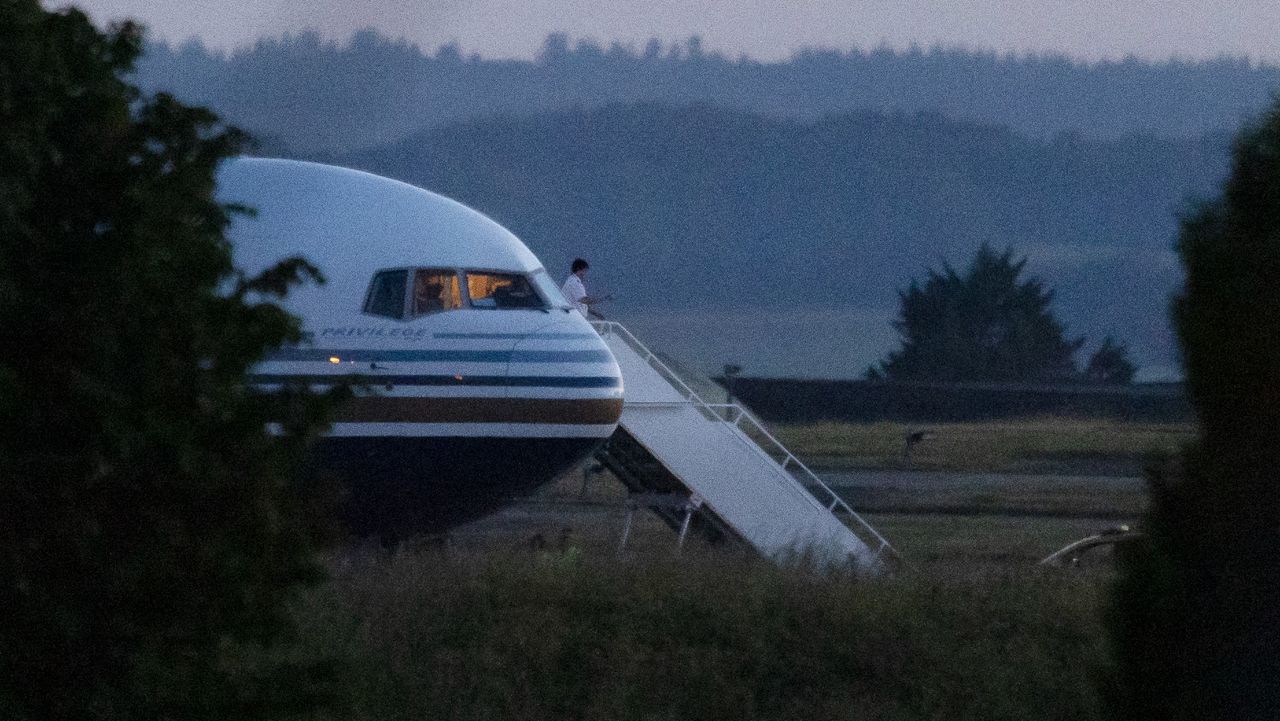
(569, 366)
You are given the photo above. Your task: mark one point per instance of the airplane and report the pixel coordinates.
(482, 382)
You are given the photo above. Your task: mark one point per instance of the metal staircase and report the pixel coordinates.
(646, 477)
(749, 486)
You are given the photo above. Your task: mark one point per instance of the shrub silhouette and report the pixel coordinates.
(150, 529)
(1195, 619)
(986, 324)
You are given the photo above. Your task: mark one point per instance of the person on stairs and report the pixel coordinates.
(576, 290)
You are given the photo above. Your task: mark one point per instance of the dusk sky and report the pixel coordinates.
(763, 29)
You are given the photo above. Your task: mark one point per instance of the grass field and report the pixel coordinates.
(537, 613)
(1054, 445)
(986, 494)
(565, 635)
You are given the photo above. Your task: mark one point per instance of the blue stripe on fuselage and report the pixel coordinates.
(439, 380)
(461, 356)
(516, 336)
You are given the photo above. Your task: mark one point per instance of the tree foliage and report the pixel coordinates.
(1110, 363)
(986, 324)
(150, 530)
(1196, 615)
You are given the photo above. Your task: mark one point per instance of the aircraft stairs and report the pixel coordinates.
(648, 480)
(743, 482)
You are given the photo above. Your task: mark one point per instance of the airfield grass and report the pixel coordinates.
(1018, 445)
(1120, 500)
(448, 634)
(535, 613)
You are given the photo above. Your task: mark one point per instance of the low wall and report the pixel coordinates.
(799, 401)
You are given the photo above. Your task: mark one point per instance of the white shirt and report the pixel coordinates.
(575, 291)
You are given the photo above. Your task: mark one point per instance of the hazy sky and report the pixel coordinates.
(764, 29)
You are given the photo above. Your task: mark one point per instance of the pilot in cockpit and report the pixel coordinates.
(516, 294)
(427, 295)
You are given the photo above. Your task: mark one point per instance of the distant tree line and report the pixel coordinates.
(315, 95)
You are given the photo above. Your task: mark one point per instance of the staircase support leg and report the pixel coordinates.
(684, 527)
(626, 527)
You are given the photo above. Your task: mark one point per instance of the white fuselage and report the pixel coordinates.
(480, 381)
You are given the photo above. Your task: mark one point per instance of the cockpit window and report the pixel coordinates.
(405, 293)
(548, 289)
(386, 294)
(435, 290)
(501, 290)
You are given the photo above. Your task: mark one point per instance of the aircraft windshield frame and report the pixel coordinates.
(458, 289)
(501, 290)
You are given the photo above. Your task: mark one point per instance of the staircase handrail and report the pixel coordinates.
(616, 328)
(714, 410)
(790, 459)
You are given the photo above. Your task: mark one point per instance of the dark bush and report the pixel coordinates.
(1196, 616)
(150, 530)
(986, 324)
